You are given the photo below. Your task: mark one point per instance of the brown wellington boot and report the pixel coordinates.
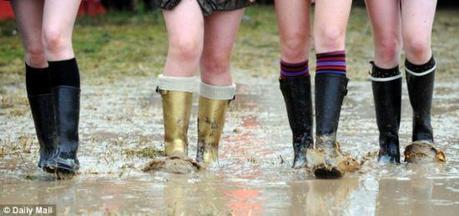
(211, 119)
(213, 104)
(177, 95)
(176, 113)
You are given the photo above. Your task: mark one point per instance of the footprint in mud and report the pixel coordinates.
(177, 165)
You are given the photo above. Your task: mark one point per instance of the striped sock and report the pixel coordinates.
(293, 69)
(331, 63)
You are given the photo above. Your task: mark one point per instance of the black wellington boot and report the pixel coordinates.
(420, 80)
(420, 90)
(387, 93)
(67, 109)
(44, 119)
(297, 97)
(326, 158)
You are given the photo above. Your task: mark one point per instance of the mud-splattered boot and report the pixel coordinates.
(44, 119)
(387, 93)
(213, 104)
(39, 93)
(67, 109)
(297, 97)
(177, 96)
(420, 80)
(326, 159)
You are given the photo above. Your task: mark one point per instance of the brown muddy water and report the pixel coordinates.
(121, 129)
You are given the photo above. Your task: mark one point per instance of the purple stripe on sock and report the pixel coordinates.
(293, 69)
(331, 72)
(283, 73)
(333, 63)
(294, 64)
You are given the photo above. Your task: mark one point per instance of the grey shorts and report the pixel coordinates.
(209, 6)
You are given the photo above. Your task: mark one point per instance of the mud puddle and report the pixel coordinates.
(121, 130)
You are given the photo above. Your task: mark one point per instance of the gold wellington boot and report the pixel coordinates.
(211, 119)
(176, 113)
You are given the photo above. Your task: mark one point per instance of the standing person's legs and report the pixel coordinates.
(58, 21)
(217, 88)
(330, 24)
(385, 75)
(29, 16)
(420, 65)
(295, 82)
(185, 27)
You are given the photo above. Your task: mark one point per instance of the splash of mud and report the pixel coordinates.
(177, 165)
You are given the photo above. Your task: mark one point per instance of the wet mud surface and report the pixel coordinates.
(121, 131)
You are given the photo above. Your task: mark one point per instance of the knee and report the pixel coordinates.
(216, 64)
(417, 49)
(294, 49)
(387, 51)
(187, 49)
(35, 56)
(330, 39)
(55, 42)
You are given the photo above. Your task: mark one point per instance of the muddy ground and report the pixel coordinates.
(121, 130)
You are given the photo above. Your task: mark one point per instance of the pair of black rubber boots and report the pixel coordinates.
(387, 92)
(56, 118)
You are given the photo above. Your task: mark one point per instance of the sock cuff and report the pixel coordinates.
(184, 84)
(420, 70)
(38, 81)
(331, 63)
(217, 92)
(296, 64)
(64, 72)
(293, 69)
(379, 74)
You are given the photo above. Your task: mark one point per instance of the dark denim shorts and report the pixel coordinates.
(209, 6)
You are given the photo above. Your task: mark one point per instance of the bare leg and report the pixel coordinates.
(294, 30)
(185, 28)
(58, 21)
(220, 33)
(29, 16)
(330, 22)
(386, 23)
(417, 21)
